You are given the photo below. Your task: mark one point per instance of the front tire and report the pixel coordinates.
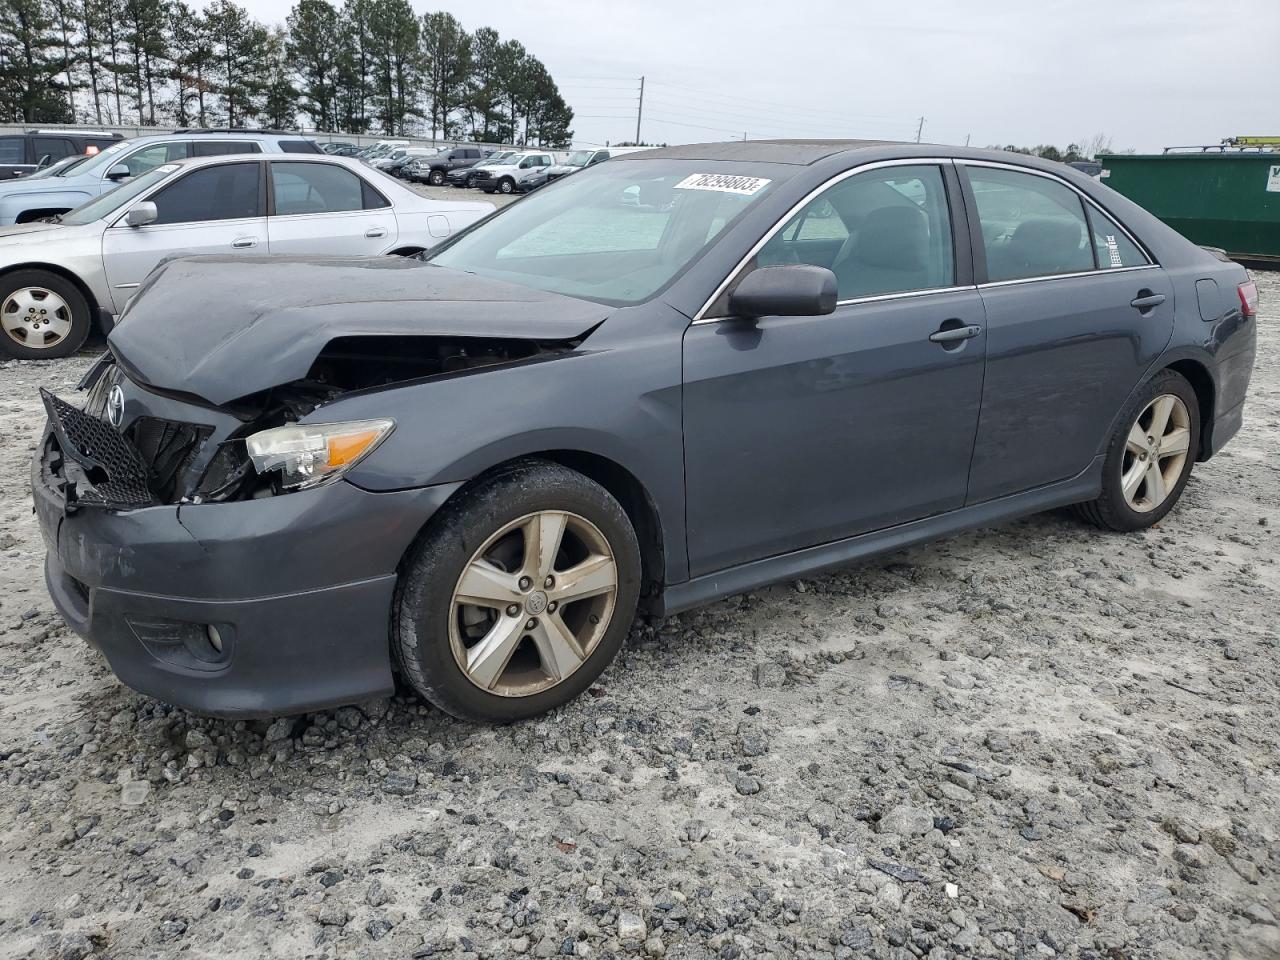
(506, 185)
(43, 316)
(1149, 456)
(518, 596)
(437, 178)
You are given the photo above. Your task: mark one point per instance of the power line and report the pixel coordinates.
(756, 102)
(694, 112)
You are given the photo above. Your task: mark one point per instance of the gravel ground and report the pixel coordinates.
(1030, 741)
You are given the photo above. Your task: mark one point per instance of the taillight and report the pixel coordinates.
(91, 151)
(1248, 298)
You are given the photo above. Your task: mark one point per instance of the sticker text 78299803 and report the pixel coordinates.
(723, 183)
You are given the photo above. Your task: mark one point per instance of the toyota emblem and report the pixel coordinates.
(115, 406)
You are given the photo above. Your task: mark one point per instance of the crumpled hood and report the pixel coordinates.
(223, 327)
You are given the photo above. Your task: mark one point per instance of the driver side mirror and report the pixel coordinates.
(141, 214)
(792, 290)
(119, 172)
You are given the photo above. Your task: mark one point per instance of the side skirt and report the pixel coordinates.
(750, 576)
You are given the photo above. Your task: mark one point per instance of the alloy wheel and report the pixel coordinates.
(1156, 452)
(35, 317)
(533, 603)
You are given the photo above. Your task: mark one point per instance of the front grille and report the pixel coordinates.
(168, 448)
(101, 468)
(481, 174)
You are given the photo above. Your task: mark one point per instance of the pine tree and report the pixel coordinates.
(394, 35)
(354, 66)
(446, 58)
(314, 48)
(280, 101)
(239, 44)
(147, 51)
(194, 65)
(484, 94)
(31, 61)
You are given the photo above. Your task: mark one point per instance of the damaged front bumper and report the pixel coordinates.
(258, 607)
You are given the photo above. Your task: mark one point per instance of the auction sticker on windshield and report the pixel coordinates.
(723, 183)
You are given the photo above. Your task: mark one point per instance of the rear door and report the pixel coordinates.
(1065, 343)
(13, 157)
(215, 209)
(324, 208)
(806, 430)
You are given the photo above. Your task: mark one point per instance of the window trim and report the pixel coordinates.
(942, 162)
(980, 249)
(182, 174)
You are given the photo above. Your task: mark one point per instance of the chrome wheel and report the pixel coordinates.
(1156, 452)
(533, 603)
(36, 318)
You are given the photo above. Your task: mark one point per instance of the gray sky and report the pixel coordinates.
(1149, 73)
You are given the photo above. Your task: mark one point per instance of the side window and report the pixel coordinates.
(1031, 226)
(527, 163)
(55, 148)
(600, 156)
(1111, 245)
(148, 158)
(12, 150)
(884, 231)
(315, 188)
(295, 146)
(220, 148)
(229, 191)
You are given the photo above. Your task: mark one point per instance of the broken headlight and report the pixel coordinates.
(308, 454)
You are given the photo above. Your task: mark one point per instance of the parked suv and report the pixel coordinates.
(23, 153)
(466, 176)
(433, 170)
(24, 201)
(518, 173)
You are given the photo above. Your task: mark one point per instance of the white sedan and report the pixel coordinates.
(57, 278)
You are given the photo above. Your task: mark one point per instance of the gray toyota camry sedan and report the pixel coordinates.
(675, 376)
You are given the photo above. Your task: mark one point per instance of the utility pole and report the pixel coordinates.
(639, 111)
(919, 129)
(744, 136)
(966, 138)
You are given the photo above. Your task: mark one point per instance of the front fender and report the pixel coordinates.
(620, 403)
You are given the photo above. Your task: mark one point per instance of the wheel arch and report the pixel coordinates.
(95, 308)
(636, 501)
(1197, 374)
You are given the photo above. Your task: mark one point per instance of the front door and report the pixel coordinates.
(1076, 315)
(806, 430)
(326, 209)
(217, 209)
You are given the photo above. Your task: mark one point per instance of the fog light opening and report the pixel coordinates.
(215, 638)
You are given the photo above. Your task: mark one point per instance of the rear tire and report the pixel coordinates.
(487, 625)
(43, 316)
(1149, 456)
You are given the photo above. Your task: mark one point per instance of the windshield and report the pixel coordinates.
(58, 169)
(117, 197)
(578, 158)
(616, 233)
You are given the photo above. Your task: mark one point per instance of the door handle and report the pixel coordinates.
(245, 242)
(376, 232)
(1146, 300)
(952, 334)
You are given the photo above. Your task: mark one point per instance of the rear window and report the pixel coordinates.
(299, 146)
(12, 150)
(220, 148)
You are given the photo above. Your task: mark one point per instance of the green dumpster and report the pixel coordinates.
(1218, 199)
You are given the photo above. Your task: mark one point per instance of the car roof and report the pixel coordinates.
(801, 152)
(351, 163)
